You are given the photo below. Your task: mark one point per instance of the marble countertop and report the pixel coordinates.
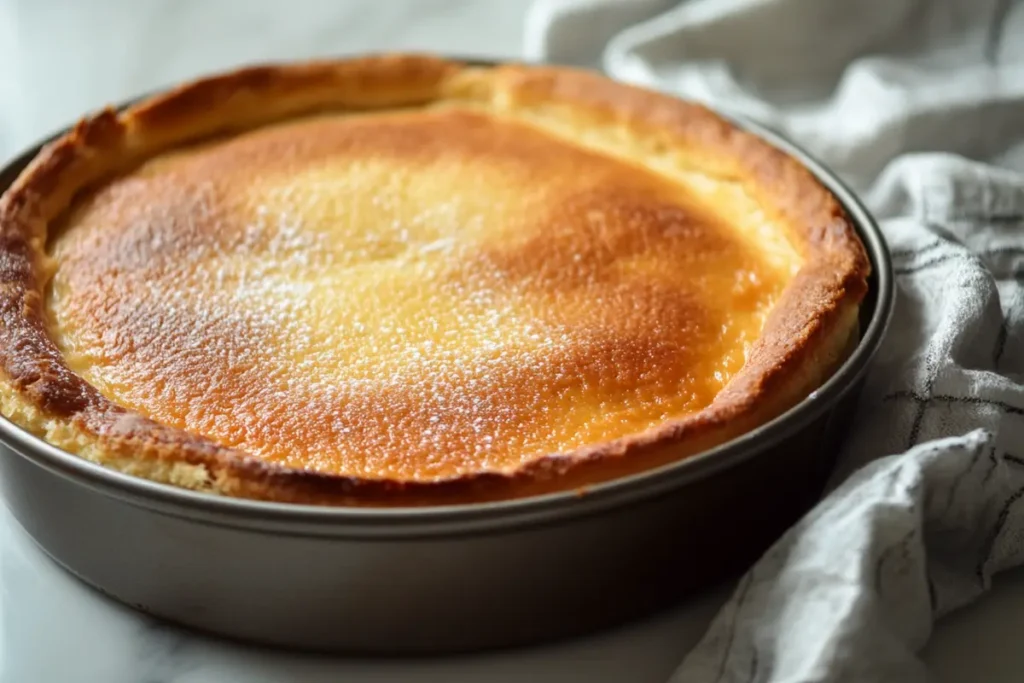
(59, 58)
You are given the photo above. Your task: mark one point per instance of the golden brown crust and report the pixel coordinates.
(801, 342)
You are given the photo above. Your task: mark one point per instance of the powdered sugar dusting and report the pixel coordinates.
(404, 300)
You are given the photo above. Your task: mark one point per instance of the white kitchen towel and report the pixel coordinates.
(919, 105)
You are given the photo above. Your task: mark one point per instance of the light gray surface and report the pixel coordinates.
(58, 58)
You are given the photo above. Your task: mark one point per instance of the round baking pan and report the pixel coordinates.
(444, 579)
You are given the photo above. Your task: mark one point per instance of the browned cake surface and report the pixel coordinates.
(418, 297)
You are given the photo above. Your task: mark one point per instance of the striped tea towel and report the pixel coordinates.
(919, 104)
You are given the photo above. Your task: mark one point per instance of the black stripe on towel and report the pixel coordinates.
(990, 542)
(945, 398)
